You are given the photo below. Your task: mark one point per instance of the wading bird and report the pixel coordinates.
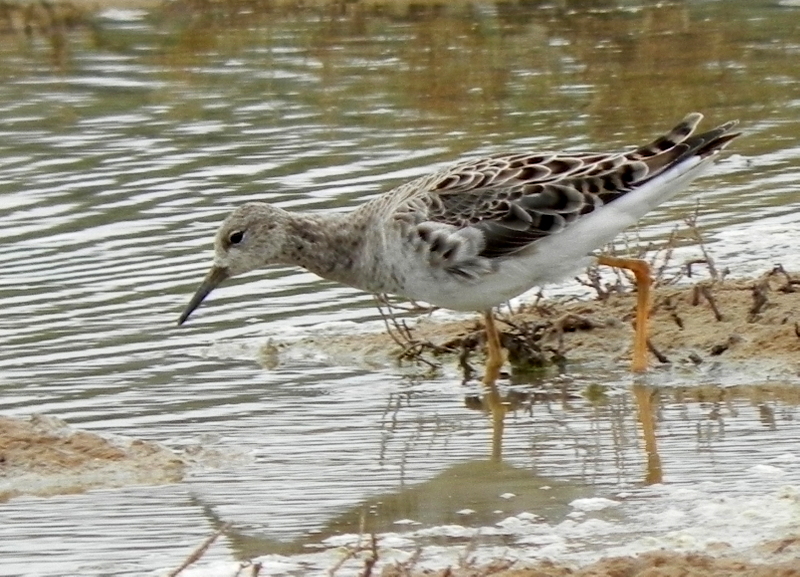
(476, 234)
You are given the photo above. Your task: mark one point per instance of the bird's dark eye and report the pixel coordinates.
(236, 236)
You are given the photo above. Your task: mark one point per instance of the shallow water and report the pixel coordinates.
(124, 143)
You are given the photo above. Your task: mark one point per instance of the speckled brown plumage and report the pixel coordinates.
(477, 233)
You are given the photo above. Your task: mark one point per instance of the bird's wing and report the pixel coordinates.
(512, 200)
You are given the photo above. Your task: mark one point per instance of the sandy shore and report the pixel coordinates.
(752, 323)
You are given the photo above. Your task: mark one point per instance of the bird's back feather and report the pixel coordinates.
(514, 200)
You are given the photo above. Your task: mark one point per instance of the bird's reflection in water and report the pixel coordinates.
(497, 405)
(475, 493)
(645, 411)
(555, 416)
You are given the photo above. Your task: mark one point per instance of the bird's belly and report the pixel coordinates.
(511, 278)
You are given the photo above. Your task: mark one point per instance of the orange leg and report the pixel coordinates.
(494, 351)
(494, 363)
(641, 270)
(646, 410)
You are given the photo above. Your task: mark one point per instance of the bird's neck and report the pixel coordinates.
(326, 244)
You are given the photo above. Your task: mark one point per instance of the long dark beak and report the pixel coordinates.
(213, 279)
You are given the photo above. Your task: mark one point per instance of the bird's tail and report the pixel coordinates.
(681, 143)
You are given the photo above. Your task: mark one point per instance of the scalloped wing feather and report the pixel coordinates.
(513, 200)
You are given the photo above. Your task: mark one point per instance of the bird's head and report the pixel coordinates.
(250, 238)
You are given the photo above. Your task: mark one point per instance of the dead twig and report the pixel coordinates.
(696, 295)
(695, 358)
(691, 222)
(195, 555)
(688, 265)
(465, 561)
(703, 290)
(712, 302)
(539, 297)
(404, 569)
(662, 358)
(789, 282)
(594, 281)
(352, 552)
(524, 342)
(670, 307)
(659, 277)
(573, 322)
(355, 550)
(370, 561)
(255, 568)
(760, 300)
(718, 349)
(414, 352)
(401, 334)
(463, 360)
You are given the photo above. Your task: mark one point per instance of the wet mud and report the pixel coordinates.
(752, 323)
(42, 455)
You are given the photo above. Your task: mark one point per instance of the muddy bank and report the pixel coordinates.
(775, 558)
(655, 564)
(43, 456)
(753, 322)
